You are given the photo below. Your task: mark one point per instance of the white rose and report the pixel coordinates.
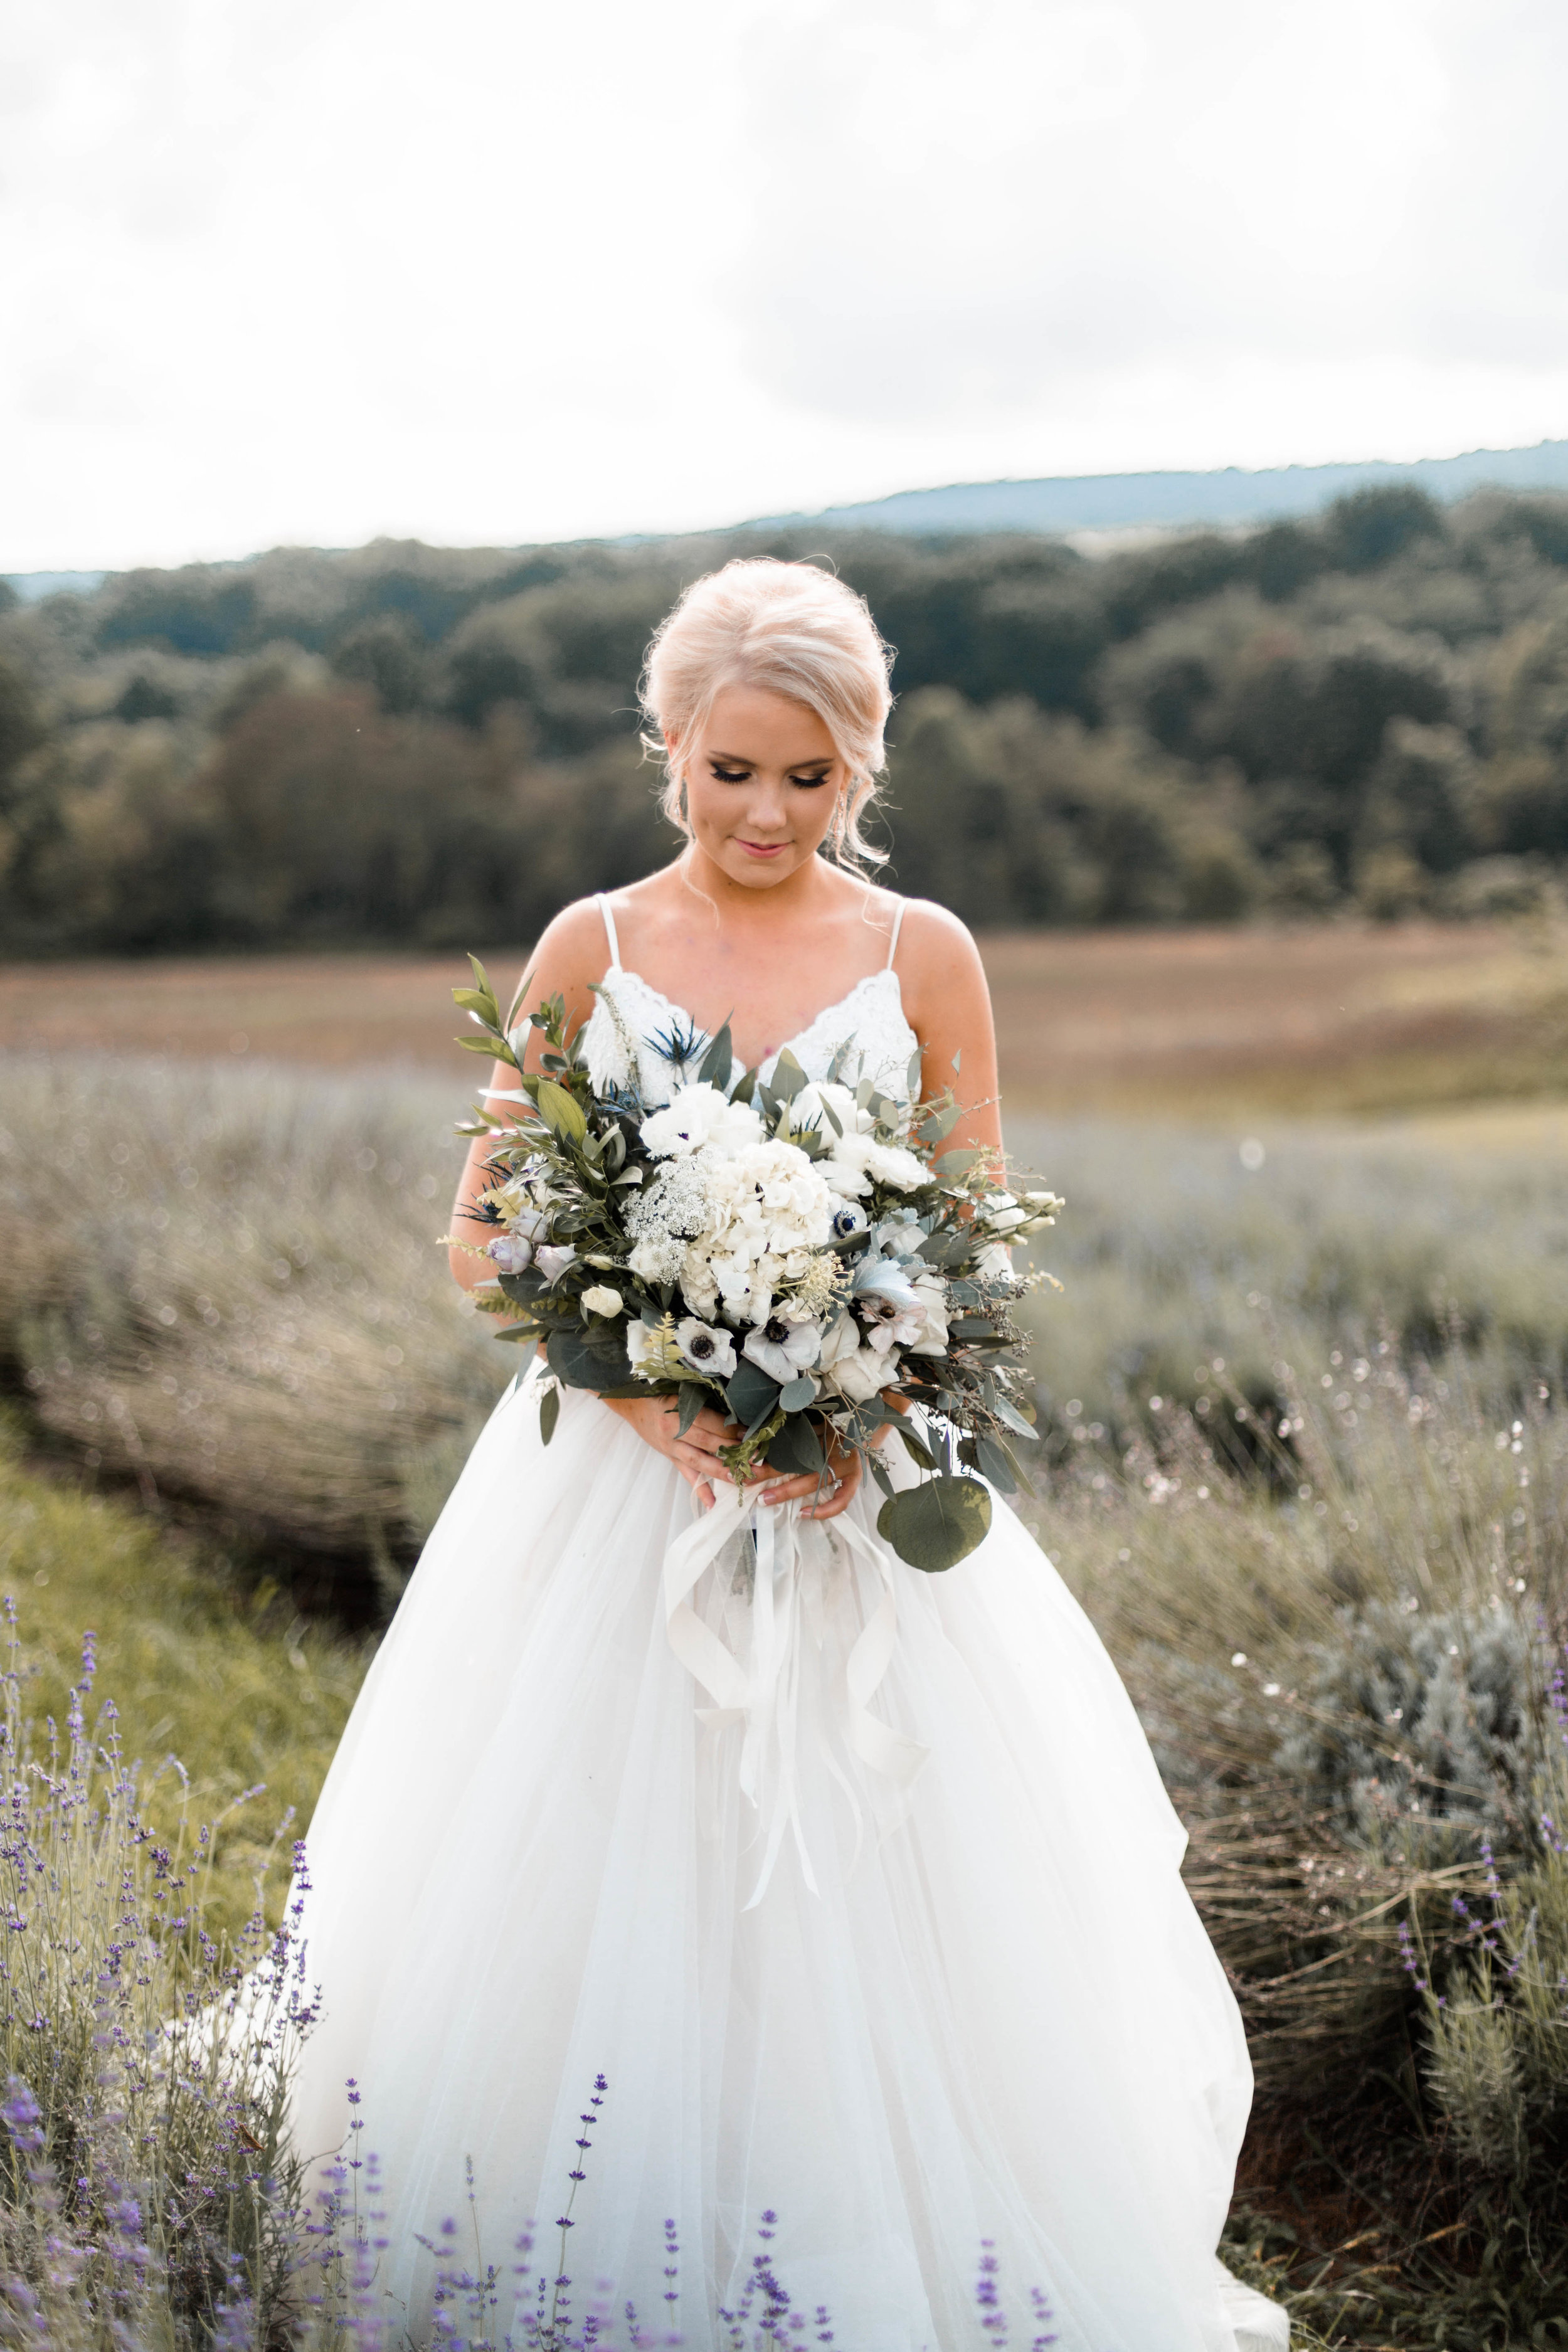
(640, 1345)
(511, 1252)
(994, 1263)
(553, 1259)
(1002, 1213)
(829, 1108)
(840, 1339)
(603, 1300)
(890, 1163)
(858, 1377)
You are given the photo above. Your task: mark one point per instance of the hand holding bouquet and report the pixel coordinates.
(801, 1252)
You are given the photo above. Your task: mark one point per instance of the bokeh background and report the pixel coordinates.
(1186, 390)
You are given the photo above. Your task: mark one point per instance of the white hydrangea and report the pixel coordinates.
(698, 1115)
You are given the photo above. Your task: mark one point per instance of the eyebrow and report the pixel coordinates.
(739, 760)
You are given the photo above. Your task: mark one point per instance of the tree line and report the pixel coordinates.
(414, 746)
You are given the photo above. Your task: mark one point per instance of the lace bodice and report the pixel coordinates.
(633, 1021)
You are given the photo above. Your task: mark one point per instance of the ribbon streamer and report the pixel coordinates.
(795, 1558)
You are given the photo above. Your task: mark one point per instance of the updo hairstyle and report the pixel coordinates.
(793, 630)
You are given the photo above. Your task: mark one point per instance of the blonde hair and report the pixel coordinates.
(793, 630)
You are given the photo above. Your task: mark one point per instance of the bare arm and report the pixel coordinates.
(948, 1005)
(571, 955)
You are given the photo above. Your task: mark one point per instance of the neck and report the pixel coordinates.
(782, 903)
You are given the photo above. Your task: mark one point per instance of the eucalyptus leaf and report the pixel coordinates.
(549, 1414)
(914, 1445)
(996, 1463)
(1014, 1421)
(879, 1472)
(694, 1397)
(717, 1061)
(796, 1449)
(788, 1077)
(751, 1395)
(580, 1360)
(562, 1112)
(912, 1079)
(936, 1524)
(796, 1394)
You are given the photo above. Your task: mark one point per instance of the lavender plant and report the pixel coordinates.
(146, 2192)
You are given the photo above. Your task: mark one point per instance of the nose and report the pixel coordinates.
(768, 806)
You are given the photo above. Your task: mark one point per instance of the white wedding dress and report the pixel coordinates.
(973, 2005)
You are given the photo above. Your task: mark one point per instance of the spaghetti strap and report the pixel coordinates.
(893, 942)
(603, 904)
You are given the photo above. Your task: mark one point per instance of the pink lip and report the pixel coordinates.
(763, 848)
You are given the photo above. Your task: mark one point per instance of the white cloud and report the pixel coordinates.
(322, 268)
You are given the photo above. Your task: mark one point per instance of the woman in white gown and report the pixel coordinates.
(977, 2008)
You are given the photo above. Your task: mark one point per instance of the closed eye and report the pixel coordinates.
(724, 775)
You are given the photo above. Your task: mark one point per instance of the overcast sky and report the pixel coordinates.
(312, 270)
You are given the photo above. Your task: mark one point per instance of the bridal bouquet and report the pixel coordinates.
(800, 1253)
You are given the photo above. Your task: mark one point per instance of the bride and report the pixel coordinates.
(979, 2011)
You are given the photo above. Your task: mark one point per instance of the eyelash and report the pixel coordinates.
(742, 775)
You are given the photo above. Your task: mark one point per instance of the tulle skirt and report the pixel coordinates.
(996, 2020)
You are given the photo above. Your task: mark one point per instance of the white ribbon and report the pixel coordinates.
(793, 1558)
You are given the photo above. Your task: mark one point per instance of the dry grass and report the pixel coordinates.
(227, 1286)
(1214, 1023)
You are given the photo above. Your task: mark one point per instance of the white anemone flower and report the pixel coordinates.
(783, 1347)
(705, 1347)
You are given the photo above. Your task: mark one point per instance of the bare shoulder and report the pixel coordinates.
(570, 954)
(935, 948)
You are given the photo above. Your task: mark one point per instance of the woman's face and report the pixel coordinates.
(762, 781)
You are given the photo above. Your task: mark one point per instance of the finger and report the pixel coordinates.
(828, 1506)
(704, 1494)
(791, 1490)
(694, 1463)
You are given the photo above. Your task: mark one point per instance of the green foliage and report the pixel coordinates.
(407, 742)
(1424, 1731)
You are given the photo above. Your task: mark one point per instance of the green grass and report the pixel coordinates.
(227, 1679)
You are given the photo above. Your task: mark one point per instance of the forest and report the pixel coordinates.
(403, 745)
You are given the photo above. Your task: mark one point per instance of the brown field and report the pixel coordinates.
(1337, 1019)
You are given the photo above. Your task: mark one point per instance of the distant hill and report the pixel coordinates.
(1075, 502)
